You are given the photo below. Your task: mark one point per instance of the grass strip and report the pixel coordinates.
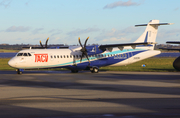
(152, 65)
(5, 50)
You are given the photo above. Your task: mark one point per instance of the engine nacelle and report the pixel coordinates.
(93, 50)
(176, 63)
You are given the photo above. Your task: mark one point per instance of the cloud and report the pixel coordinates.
(113, 39)
(78, 32)
(121, 4)
(115, 35)
(55, 32)
(37, 30)
(5, 3)
(123, 32)
(17, 29)
(176, 9)
(27, 3)
(169, 34)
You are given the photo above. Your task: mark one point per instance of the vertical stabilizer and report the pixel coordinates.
(150, 32)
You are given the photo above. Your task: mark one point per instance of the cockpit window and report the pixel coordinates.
(25, 54)
(19, 54)
(29, 54)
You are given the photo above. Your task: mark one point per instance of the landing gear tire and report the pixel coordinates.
(94, 70)
(74, 71)
(19, 72)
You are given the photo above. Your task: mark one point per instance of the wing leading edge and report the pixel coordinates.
(173, 42)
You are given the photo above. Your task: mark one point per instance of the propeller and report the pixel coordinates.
(45, 43)
(84, 50)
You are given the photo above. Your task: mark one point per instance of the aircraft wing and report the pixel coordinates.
(173, 42)
(121, 46)
(170, 49)
(55, 47)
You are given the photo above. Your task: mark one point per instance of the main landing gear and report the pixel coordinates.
(94, 70)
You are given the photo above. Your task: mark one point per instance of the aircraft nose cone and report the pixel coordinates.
(11, 63)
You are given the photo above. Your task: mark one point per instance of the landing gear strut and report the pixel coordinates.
(19, 71)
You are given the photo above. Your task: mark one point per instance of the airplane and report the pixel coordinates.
(176, 63)
(89, 57)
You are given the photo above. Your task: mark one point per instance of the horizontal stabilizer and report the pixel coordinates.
(154, 24)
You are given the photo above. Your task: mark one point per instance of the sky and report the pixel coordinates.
(103, 21)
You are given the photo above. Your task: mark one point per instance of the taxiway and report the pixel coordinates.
(54, 94)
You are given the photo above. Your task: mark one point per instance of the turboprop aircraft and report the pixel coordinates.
(176, 63)
(89, 57)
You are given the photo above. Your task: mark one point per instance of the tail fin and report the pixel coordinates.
(150, 32)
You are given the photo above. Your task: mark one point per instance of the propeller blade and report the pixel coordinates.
(87, 57)
(86, 41)
(81, 57)
(40, 43)
(46, 42)
(80, 42)
(84, 50)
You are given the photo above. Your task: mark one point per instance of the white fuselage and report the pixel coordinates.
(64, 58)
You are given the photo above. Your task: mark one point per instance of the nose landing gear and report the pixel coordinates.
(19, 71)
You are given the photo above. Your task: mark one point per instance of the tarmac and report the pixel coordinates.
(107, 94)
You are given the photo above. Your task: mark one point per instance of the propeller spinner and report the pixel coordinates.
(84, 50)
